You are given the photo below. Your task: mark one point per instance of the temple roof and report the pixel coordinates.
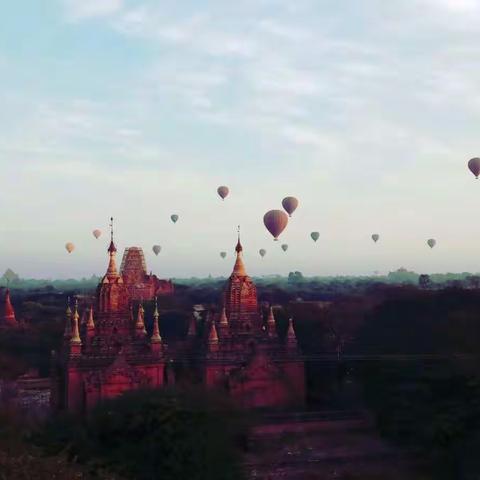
(239, 267)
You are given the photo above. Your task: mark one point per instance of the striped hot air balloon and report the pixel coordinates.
(275, 222)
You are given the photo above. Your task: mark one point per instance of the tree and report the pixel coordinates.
(295, 277)
(167, 434)
(473, 281)
(9, 277)
(424, 281)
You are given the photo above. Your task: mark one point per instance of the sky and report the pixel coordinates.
(366, 111)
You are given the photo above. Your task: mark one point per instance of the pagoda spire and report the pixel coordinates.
(9, 312)
(223, 318)
(156, 338)
(90, 321)
(239, 267)
(68, 321)
(112, 271)
(223, 326)
(212, 337)
(291, 336)
(271, 323)
(140, 324)
(75, 338)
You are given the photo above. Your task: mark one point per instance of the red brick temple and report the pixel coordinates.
(112, 352)
(8, 318)
(243, 353)
(234, 349)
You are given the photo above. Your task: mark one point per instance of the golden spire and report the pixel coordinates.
(75, 339)
(239, 267)
(271, 322)
(90, 322)
(140, 325)
(212, 334)
(212, 338)
(156, 338)
(223, 318)
(112, 250)
(68, 321)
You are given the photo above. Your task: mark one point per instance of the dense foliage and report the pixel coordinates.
(426, 392)
(168, 434)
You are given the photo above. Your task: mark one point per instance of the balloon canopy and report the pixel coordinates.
(156, 249)
(223, 192)
(315, 236)
(70, 247)
(375, 237)
(223, 254)
(474, 166)
(284, 247)
(290, 204)
(431, 242)
(275, 222)
(97, 233)
(262, 252)
(174, 218)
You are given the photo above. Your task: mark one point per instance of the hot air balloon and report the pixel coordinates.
(262, 252)
(223, 254)
(70, 247)
(174, 218)
(156, 249)
(275, 221)
(431, 242)
(223, 191)
(284, 247)
(97, 233)
(474, 166)
(290, 204)
(375, 237)
(315, 236)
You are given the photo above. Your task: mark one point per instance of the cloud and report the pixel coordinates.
(85, 9)
(456, 6)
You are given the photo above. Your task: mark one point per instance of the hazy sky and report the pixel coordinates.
(367, 111)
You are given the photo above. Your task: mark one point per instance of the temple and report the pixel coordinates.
(111, 353)
(233, 348)
(243, 353)
(8, 318)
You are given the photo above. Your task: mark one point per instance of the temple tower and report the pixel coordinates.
(113, 295)
(240, 298)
